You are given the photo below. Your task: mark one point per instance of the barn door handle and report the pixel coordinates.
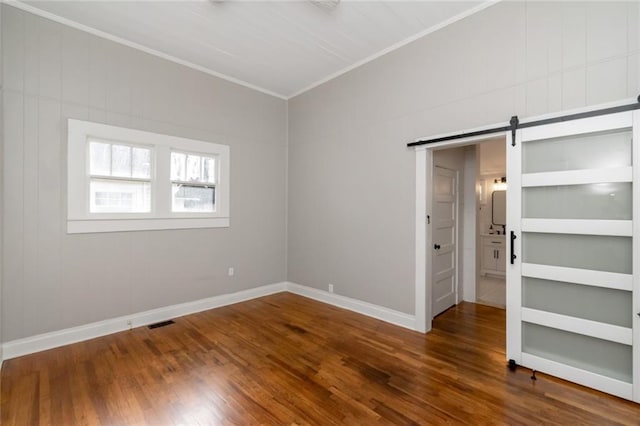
(513, 255)
(436, 246)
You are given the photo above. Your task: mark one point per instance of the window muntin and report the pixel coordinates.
(190, 168)
(119, 178)
(193, 182)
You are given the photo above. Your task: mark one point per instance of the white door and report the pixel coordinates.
(444, 239)
(572, 287)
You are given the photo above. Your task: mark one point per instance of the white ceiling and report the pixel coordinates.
(279, 47)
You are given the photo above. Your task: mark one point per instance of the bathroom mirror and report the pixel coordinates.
(499, 207)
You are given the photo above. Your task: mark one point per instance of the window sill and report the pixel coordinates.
(128, 225)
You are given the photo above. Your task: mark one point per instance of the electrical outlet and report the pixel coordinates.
(330, 288)
(130, 324)
(231, 272)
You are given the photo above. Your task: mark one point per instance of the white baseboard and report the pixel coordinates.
(41, 342)
(355, 305)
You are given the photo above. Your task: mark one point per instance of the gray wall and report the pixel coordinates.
(53, 280)
(350, 200)
(352, 180)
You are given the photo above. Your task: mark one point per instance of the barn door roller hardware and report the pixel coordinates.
(515, 124)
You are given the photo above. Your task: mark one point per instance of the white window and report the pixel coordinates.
(120, 178)
(126, 180)
(193, 182)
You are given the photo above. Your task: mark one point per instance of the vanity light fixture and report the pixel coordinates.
(500, 184)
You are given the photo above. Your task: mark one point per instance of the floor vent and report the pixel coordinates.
(161, 324)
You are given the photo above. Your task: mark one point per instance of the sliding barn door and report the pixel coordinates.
(572, 288)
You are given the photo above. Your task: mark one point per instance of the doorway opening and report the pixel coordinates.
(491, 213)
(468, 205)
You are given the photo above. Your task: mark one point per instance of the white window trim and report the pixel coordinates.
(81, 220)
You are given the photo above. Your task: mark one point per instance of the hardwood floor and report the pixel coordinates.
(285, 359)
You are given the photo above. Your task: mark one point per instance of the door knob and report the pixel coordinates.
(436, 246)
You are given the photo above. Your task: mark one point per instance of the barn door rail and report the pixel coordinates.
(515, 124)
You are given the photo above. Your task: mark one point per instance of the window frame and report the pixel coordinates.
(152, 182)
(81, 220)
(214, 185)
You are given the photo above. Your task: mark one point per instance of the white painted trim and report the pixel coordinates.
(579, 376)
(599, 330)
(375, 311)
(428, 258)
(126, 225)
(635, 152)
(67, 336)
(513, 271)
(612, 280)
(578, 177)
(620, 228)
(579, 127)
(400, 44)
(78, 26)
(421, 322)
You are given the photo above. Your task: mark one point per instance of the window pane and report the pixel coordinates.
(191, 198)
(596, 150)
(141, 159)
(119, 196)
(593, 201)
(595, 303)
(588, 353)
(595, 252)
(178, 166)
(99, 158)
(120, 161)
(208, 170)
(193, 168)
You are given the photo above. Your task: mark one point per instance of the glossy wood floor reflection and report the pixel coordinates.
(285, 359)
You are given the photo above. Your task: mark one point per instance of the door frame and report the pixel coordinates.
(424, 239)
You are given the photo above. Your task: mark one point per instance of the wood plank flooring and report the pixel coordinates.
(285, 359)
